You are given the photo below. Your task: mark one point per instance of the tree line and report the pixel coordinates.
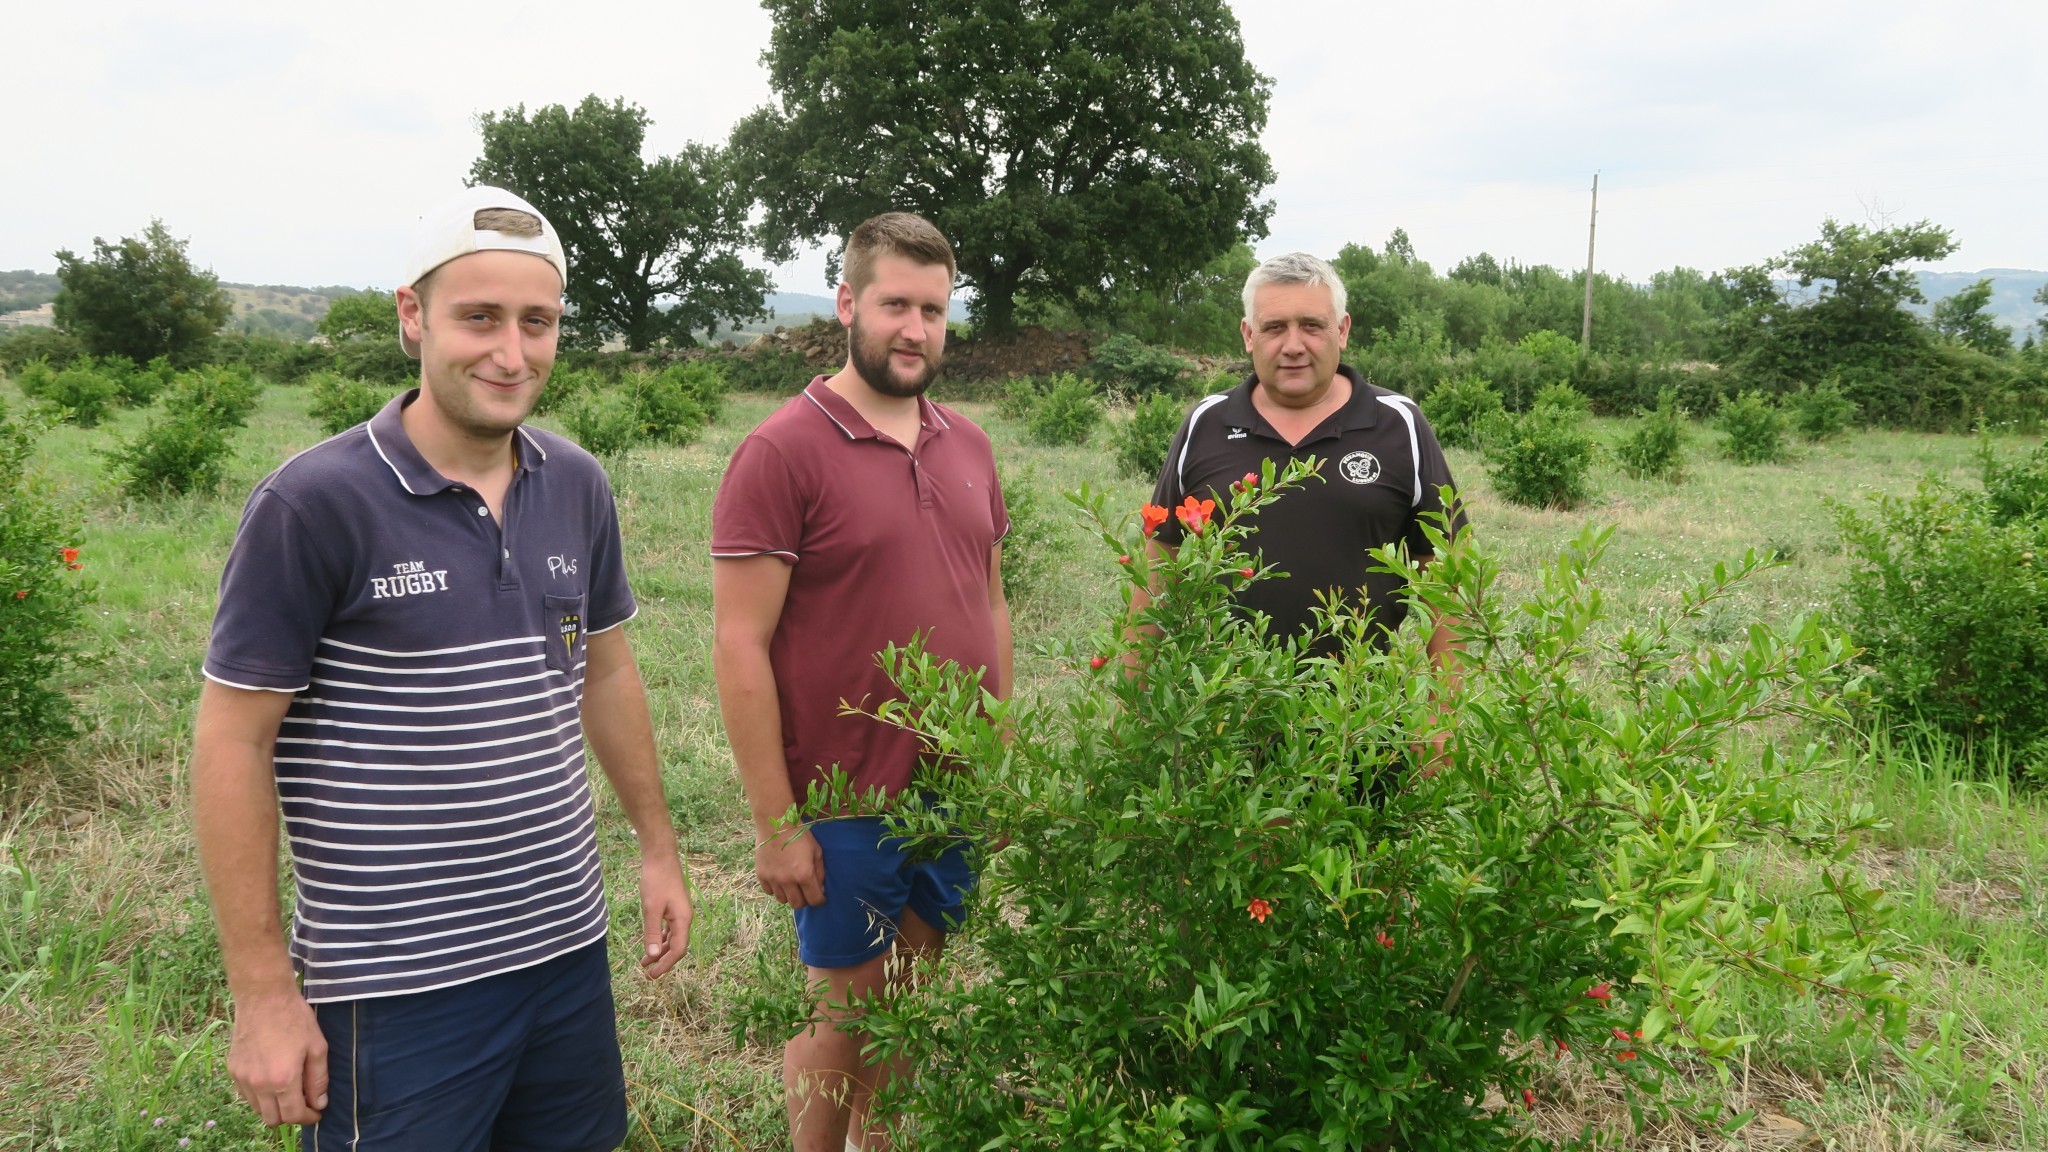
(1098, 166)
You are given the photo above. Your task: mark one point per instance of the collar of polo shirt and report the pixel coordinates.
(415, 475)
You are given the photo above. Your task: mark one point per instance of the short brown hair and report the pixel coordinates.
(510, 221)
(902, 234)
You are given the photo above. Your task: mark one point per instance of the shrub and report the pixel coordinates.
(1563, 398)
(1216, 924)
(1141, 441)
(1413, 360)
(340, 402)
(186, 446)
(1755, 429)
(177, 451)
(26, 345)
(80, 393)
(1032, 549)
(668, 404)
(766, 368)
(1541, 459)
(42, 600)
(1512, 370)
(1655, 448)
(564, 385)
(1459, 409)
(1948, 596)
(1123, 363)
(224, 395)
(276, 360)
(1556, 356)
(1066, 414)
(2014, 490)
(138, 385)
(605, 421)
(378, 361)
(1019, 397)
(1820, 412)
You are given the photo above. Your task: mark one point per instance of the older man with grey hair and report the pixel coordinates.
(1382, 472)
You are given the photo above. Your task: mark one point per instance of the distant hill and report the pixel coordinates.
(2012, 294)
(792, 308)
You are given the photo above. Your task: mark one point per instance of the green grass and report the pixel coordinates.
(115, 1004)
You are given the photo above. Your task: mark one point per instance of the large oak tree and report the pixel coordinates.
(654, 245)
(1068, 148)
(141, 298)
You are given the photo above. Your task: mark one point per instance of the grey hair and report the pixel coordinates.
(1294, 268)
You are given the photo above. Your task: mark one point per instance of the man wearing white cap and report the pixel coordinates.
(419, 625)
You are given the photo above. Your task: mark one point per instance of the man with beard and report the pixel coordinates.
(859, 515)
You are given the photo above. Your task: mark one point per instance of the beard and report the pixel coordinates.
(871, 362)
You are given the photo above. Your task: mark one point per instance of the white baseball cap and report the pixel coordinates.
(448, 230)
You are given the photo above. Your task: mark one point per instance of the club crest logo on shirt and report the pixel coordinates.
(1359, 467)
(570, 624)
(408, 578)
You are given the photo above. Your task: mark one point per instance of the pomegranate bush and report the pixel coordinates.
(1233, 909)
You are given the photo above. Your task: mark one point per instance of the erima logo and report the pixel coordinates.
(1238, 433)
(411, 579)
(570, 624)
(1359, 467)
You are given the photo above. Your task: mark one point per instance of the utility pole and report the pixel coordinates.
(1586, 321)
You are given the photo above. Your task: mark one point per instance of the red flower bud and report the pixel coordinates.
(21, 594)
(1619, 1034)
(1251, 480)
(1528, 1099)
(1600, 992)
(1247, 573)
(1096, 662)
(1385, 941)
(1123, 559)
(1628, 1054)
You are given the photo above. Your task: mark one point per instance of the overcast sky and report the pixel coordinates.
(295, 143)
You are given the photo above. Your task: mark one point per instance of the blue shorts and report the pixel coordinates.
(522, 1060)
(869, 881)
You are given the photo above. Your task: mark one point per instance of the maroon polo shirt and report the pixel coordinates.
(884, 543)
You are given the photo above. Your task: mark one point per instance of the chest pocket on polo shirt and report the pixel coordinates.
(563, 618)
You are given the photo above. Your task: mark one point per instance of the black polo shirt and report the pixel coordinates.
(430, 765)
(1381, 471)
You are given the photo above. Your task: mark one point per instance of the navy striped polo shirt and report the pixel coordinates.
(430, 767)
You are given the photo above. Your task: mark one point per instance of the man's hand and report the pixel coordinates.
(665, 911)
(790, 867)
(278, 1059)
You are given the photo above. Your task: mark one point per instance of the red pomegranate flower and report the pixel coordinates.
(1194, 514)
(1259, 909)
(71, 556)
(21, 593)
(1529, 1099)
(1385, 941)
(1153, 516)
(1602, 991)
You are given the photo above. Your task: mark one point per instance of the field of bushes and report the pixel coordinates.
(127, 481)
